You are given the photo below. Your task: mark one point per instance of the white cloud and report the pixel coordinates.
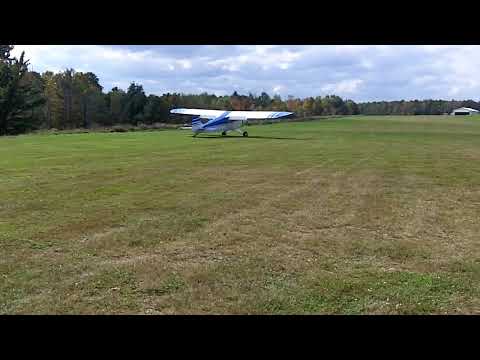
(454, 91)
(186, 64)
(278, 89)
(343, 87)
(266, 57)
(377, 72)
(424, 80)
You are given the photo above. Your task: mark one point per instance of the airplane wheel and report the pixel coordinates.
(245, 134)
(224, 133)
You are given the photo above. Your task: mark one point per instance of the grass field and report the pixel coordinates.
(359, 215)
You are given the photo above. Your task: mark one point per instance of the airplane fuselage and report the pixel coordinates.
(222, 123)
(232, 125)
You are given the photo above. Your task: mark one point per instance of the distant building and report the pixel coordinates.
(465, 111)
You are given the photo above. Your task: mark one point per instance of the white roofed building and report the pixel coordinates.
(465, 111)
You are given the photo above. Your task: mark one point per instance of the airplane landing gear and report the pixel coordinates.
(224, 133)
(245, 134)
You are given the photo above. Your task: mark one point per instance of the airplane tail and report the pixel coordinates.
(196, 124)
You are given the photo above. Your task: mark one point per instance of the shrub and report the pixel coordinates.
(121, 128)
(158, 125)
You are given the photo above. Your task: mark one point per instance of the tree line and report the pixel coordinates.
(414, 107)
(71, 99)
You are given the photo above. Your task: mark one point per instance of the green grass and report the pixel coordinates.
(359, 215)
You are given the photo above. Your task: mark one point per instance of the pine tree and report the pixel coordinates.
(18, 95)
(86, 87)
(135, 102)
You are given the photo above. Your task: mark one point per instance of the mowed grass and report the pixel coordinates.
(355, 215)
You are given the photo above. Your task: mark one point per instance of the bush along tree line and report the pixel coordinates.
(71, 100)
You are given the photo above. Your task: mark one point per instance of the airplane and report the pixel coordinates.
(224, 121)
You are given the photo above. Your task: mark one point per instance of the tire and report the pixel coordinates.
(224, 133)
(245, 134)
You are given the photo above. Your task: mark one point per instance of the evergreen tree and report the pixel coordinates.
(156, 109)
(115, 101)
(87, 88)
(135, 102)
(19, 95)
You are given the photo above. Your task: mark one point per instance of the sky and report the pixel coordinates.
(357, 72)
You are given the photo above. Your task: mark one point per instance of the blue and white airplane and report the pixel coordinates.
(224, 121)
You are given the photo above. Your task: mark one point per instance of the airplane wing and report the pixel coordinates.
(259, 114)
(202, 113)
(211, 114)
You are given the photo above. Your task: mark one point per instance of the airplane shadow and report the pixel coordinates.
(249, 137)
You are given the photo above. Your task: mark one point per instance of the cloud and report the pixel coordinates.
(278, 89)
(343, 87)
(360, 72)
